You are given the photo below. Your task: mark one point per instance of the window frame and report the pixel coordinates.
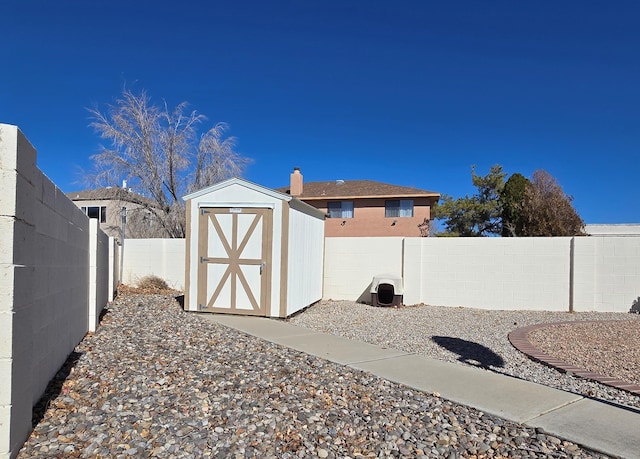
(97, 212)
(345, 208)
(401, 206)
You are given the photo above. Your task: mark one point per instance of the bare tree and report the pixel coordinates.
(548, 211)
(162, 155)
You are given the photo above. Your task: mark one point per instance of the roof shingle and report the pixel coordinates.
(357, 189)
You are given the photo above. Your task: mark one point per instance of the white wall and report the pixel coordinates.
(553, 274)
(606, 273)
(164, 258)
(44, 284)
(350, 264)
(618, 229)
(488, 273)
(99, 273)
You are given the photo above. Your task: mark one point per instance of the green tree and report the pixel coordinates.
(162, 155)
(477, 215)
(512, 200)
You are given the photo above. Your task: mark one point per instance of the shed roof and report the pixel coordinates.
(294, 203)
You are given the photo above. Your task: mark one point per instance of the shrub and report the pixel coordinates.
(152, 282)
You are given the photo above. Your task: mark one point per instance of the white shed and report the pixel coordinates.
(252, 251)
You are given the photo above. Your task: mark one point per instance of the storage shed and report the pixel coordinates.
(252, 251)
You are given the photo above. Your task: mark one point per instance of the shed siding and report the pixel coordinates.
(236, 195)
(306, 261)
(296, 247)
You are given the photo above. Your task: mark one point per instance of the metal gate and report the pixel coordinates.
(234, 252)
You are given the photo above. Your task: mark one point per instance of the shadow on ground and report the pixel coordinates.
(54, 388)
(470, 352)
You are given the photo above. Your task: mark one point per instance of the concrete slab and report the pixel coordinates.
(329, 347)
(261, 327)
(503, 396)
(609, 429)
(337, 349)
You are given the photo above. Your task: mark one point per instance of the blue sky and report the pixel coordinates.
(411, 93)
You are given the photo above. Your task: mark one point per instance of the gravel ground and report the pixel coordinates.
(609, 348)
(479, 337)
(154, 381)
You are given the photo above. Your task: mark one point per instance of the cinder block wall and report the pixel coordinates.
(594, 273)
(164, 258)
(606, 273)
(489, 273)
(350, 264)
(99, 273)
(44, 284)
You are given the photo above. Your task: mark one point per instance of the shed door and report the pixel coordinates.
(234, 252)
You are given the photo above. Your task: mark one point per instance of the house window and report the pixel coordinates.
(340, 209)
(96, 212)
(394, 208)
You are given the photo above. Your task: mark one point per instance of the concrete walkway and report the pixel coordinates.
(597, 425)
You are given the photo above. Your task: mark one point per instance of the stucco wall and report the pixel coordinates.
(369, 219)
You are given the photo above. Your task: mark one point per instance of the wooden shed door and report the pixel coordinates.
(234, 252)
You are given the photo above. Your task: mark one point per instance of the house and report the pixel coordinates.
(613, 229)
(366, 207)
(107, 204)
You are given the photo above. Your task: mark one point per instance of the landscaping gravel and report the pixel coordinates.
(479, 337)
(155, 381)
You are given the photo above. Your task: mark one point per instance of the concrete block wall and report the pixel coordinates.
(552, 274)
(594, 273)
(488, 273)
(350, 264)
(44, 284)
(99, 273)
(606, 273)
(164, 258)
(114, 268)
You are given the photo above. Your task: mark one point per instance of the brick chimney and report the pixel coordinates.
(295, 185)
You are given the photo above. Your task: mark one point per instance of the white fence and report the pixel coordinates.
(596, 273)
(53, 283)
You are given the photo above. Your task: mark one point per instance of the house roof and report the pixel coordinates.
(353, 189)
(106, 194)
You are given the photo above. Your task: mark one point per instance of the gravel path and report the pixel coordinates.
(154, 381)
(479, 337)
